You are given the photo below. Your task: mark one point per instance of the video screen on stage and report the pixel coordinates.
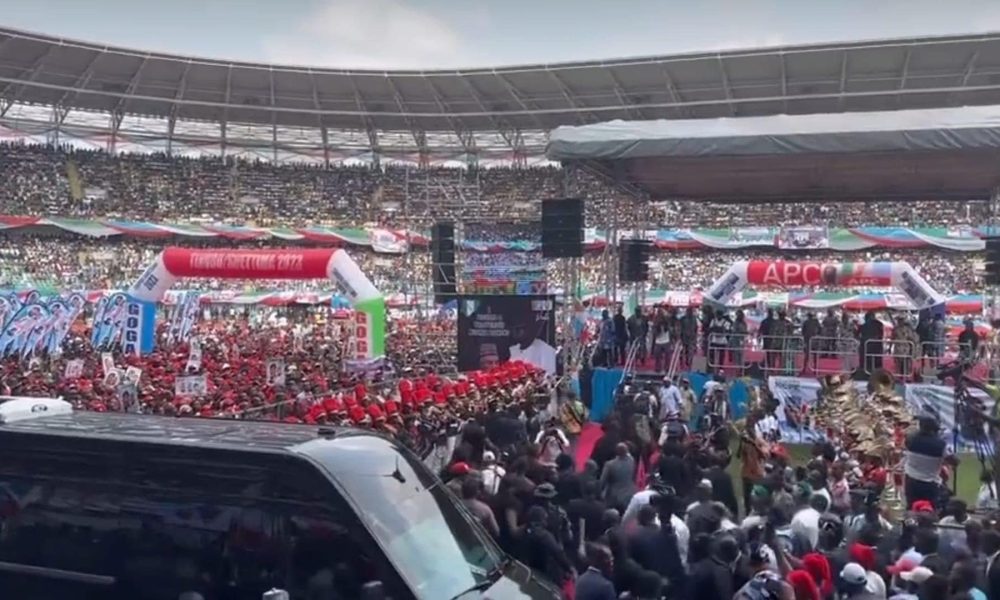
(496, 329)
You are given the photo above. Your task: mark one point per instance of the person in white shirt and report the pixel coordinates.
(670, 399)
(805, 523)
(529, 347)
(642, 498)
(492, 473)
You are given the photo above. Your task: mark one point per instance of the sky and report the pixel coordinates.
(439, 34)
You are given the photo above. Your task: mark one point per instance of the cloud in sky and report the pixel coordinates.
(368, 34)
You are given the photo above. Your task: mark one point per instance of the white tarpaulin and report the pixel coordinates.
(963, 128)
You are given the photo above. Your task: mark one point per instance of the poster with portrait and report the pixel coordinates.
(107, 363)
(194, 356)
(191, 386)
(495, 329)
(133, 375)
(804, 237)
(275, 369)
(74, 369)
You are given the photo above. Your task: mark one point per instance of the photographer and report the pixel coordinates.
(922, 462)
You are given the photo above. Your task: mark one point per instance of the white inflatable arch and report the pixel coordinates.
(810, 274)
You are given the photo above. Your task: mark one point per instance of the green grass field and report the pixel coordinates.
(968, 472)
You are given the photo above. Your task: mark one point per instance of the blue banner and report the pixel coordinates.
(138, 327)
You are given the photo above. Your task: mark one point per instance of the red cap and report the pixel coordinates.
(357, 414)
(459, 468)
(922, 506)
(375, 412)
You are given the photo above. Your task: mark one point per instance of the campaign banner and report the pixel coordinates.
(804, 237)
(495, 329)
(128, 397)
(109, 320)
(7, 310)
(797, 396)
(194, 356)
(387, 241)
(113, 378)
(107, 363)
(191, 386)
(138, 327)
(133, 375)
(275, 369)
(798, 274)
(74, 369)
(23, 326)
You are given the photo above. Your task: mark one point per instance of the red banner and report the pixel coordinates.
(248, 264)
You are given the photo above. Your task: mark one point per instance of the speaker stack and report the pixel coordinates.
(443, 261)
(562, 228)
(633, 260)
(992, 264)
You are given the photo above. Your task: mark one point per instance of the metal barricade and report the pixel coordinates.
(783, 354)
(730, 353)
(828, 355)
(902, 355)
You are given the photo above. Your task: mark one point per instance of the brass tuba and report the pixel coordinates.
(882, 383)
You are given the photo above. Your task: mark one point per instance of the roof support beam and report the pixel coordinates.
(224, 123)
(274, 117)
(464, 136)
(843, 80)
(179, 95)
(33, 72)
(81, 82)
(569, 95)
(622, 96)
(726, 89)
(970, 67)
(784, 80)
(499, 125)
(905, 71)
(419, 135)
(133, 83)
(675, 94)
(520, 99)
(366, 122)
(5, 106)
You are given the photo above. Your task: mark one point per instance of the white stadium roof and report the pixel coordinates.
(515, 104)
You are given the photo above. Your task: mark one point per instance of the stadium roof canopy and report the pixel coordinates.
(941, 152)
(862, 76)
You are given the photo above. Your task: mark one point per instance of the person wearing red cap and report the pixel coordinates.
(803, 585)
(865, 556)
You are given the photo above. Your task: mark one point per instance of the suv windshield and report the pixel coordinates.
(432, 543)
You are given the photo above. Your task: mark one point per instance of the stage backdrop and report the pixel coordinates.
(495, 329)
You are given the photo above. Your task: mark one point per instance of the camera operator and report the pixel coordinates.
(922, 462)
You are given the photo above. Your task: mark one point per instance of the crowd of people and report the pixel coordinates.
(673, 501)
(66, 261)
(67, 181)
(656, 509)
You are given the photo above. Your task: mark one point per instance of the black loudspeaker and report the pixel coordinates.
(992, 263)
(633, 260)
(562, 228)
(443, 261)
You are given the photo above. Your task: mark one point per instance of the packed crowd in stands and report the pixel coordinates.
(65, 181)
(75, 262)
